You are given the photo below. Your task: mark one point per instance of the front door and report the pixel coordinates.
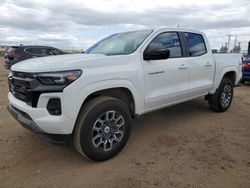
(166, 81)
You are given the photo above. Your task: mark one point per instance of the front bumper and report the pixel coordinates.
(38, 119)
(26, 121)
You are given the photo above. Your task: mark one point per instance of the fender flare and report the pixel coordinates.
(218, 79)
(82, 93)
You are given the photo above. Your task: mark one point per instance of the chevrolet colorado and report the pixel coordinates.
(89, 99)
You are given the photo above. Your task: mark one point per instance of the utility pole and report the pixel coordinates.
(228, 43)
(235, 40)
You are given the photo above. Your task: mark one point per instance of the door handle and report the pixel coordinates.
(158, 72)
(208, 64)
(183, 66)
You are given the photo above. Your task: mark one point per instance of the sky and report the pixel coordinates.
(81, 23)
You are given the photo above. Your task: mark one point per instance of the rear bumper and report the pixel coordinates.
(246, 76)
(8, 64)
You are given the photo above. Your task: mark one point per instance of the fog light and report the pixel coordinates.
(54, 106)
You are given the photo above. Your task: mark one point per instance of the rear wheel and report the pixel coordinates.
(221, 100)
(102, 128)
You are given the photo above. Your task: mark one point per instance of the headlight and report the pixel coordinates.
(59, 78)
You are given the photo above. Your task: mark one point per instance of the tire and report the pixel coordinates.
(243, 82)
(221, 100)
(102, 121)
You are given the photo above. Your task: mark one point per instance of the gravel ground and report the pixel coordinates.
(186, 145)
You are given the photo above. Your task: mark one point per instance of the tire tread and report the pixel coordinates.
(214, 100)
(83, 114)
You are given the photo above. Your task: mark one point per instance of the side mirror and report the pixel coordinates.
(156, 54)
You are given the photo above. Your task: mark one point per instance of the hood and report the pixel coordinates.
(55, 63)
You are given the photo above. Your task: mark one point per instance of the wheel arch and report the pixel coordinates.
(121, 89)
(231, 75)
(121, 93)
(229, 72)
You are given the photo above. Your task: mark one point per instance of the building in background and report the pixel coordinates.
(223, 49)
(236, 48)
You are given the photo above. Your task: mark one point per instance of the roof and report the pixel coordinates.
(177, 29)
(32, 46)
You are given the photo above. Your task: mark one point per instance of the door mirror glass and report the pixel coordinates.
(156, 54)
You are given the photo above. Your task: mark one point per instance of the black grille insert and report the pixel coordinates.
(20, 88)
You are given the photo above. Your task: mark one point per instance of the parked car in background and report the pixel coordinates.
(16, 54)
(246, 69)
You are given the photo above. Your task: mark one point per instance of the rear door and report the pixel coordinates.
(166, 81)
(202, 66)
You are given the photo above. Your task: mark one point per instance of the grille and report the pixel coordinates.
(22, 75)
(20, 88)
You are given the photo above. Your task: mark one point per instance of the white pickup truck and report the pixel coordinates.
(90, 98)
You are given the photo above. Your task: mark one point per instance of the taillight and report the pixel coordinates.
(245, 66)
(14, 54)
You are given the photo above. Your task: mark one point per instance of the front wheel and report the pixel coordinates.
(221, 100)
(102, 128)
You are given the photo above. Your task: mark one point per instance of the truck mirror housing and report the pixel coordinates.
(156, 54)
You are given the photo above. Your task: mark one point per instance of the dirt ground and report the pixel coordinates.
(182, 146)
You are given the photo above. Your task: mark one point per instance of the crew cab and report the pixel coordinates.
(91, 98)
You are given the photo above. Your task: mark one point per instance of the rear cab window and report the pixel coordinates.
(195, 43)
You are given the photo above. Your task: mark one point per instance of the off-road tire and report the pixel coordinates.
(215, 101)
(83, 131)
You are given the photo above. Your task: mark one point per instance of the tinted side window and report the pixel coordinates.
(34, 51)
(55, 51)
(167, 41)
(37, 51)
(196, 44)
(44, 51)
(28, 50)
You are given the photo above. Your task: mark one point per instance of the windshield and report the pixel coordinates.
(119, 44)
